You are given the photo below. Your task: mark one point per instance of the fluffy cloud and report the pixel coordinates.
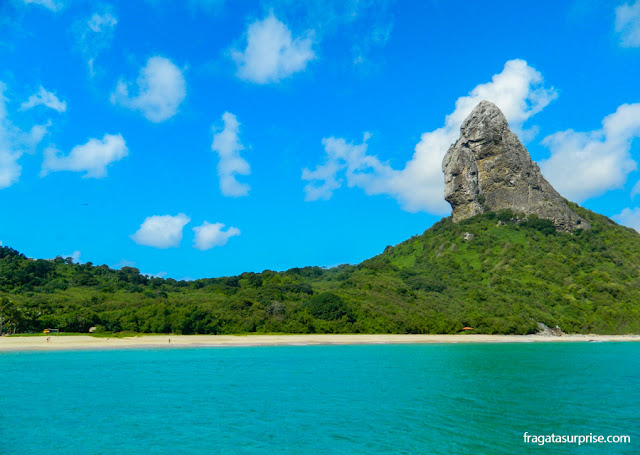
(228, 146)
(341, 156)
(14, 142)
(584, 165)
(271, 53)
(161, 231)
(92, 157)
(94, 35)
(43, 97)
(209, 235)
(75, 256)
(628, 24)
(629, 217)
(161, 89)
(49, 4)
(518, 90)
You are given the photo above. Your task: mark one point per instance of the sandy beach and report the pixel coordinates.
(40, 343)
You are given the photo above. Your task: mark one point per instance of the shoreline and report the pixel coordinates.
(86, 342)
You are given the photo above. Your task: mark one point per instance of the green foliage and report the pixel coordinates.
(424, 283)
(513, 272)
(327, 306)
(505, 215)
(545, 226)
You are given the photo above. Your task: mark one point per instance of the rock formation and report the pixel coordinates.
(488, 169)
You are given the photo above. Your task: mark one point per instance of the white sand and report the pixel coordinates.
(172, 341)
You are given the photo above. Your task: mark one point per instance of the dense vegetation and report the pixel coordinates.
(497, 272)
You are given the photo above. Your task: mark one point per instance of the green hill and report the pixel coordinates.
(496, 272)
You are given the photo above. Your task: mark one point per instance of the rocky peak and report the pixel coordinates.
(488, 169)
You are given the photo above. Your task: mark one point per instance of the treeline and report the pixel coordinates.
(498, 272)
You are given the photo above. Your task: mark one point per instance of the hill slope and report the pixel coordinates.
(496, 272)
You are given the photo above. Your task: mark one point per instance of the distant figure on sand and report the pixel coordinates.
(169, 340)
(48, 338)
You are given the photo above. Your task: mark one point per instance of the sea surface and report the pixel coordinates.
(372, 399)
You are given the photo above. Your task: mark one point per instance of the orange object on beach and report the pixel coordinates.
(467, 328)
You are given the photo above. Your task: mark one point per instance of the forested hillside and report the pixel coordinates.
(497, 272)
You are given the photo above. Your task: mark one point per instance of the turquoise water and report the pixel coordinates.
(423, 399)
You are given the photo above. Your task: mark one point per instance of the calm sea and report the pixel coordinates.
(422, 399)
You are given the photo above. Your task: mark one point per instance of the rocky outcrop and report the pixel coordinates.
(488, 169)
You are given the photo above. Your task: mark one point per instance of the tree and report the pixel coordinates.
(328, 306)
(9, 315)
(3, 304)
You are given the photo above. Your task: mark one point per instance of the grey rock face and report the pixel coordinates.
(488, 169)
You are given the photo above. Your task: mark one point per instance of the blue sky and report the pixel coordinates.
(209, 137)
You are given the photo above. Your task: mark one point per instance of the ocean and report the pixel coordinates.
(366, 399)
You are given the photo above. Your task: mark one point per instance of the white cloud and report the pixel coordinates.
(227, 145)
(161, 231)
(161, 89)
(48, 99)
(14, 142)
(94, 35)
(209, 235)
(49, 4)
(271, 53)
(123, 263)
(101, 22)
(341, 155)
(519, 92)
(156, 275)
(585, 165)
(629, 217)
(75, 256)
(364, 26)
(628, 24)
(92, 157)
